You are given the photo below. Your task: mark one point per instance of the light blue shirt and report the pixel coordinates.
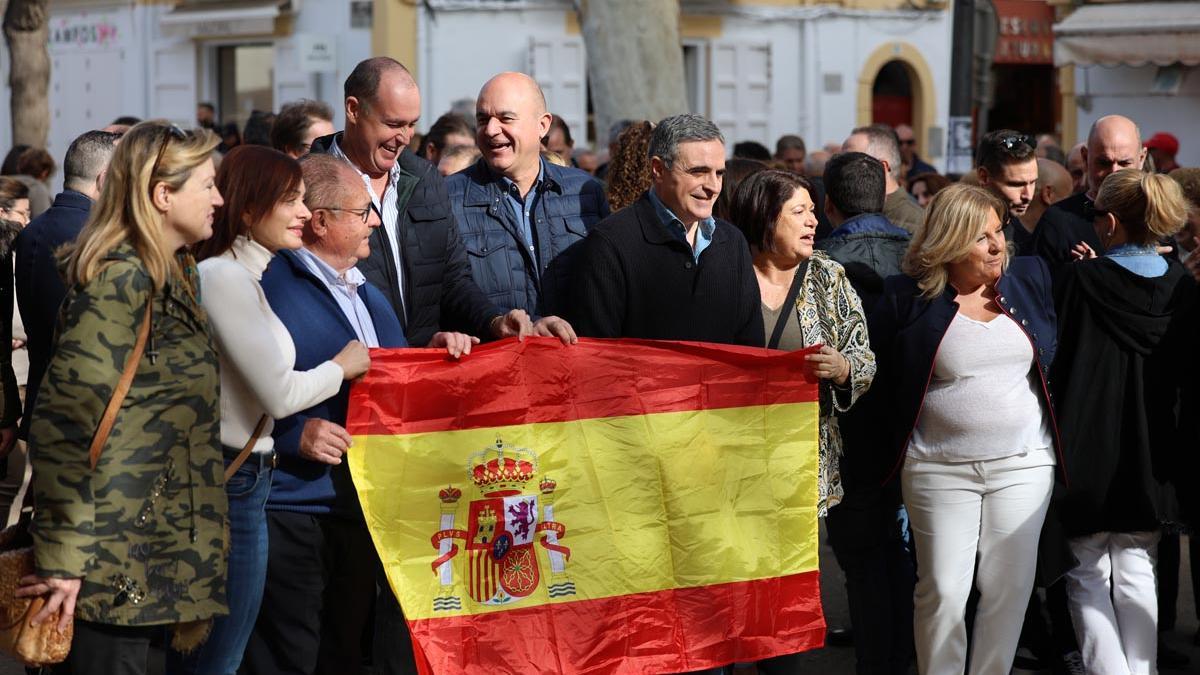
(704, 230)
(522, 207)
(1143, 261)
(344, 288)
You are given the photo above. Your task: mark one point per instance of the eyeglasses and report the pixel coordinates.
(1011, 142)
(169, 132)
(363, 213)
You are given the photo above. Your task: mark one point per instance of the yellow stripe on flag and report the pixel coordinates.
(649, 502)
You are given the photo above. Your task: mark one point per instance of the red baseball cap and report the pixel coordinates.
(1165, 142)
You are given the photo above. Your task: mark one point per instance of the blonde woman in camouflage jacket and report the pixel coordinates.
(136, 544)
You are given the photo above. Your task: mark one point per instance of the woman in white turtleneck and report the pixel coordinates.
(263, 212)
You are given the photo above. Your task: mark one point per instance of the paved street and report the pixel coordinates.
(831, 661)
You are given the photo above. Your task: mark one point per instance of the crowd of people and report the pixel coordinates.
(1006, 396)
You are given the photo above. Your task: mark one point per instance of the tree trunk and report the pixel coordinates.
(635, 61)
(26, 30)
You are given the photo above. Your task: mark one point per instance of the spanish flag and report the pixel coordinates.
(615, 506)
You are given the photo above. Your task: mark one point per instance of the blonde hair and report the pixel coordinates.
(953, 221)
(125, 211)
(1149, 205)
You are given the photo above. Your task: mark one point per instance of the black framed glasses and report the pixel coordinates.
(364, 213)
(170, 131)
(1011, 142)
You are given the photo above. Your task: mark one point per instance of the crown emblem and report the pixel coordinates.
(449, 495)
(501, 468)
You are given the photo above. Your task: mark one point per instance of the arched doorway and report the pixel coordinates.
(892, 95)
(906, 92)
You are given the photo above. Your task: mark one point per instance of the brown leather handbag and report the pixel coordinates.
(42, 644)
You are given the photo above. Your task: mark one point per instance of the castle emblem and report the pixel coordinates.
(503, 527)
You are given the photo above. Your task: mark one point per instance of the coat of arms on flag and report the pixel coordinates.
(620, 505)
(504, 529)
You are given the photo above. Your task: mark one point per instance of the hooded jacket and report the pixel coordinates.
(1115, 382)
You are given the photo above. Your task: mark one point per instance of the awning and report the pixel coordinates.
(206, 18)
(1130, 33)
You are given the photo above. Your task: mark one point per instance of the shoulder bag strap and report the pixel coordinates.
(123, 385)
(246, 450)
(789, 306)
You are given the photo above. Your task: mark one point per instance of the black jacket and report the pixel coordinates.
(1122, 343)
(1061, 227)
(438, 292)
(870, 248)
(40, 288)
(635, 278)
(907, 329)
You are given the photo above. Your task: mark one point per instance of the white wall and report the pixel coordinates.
(843, 44)
(353, 45)
(1123, 90)
(463, 49)
(95, 73)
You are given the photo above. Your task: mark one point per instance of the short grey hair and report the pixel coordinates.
(686, 128)
(882, 144)
(87, 156)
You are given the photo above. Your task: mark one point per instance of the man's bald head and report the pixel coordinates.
(510, 121)
(519, 84)
(1054, 181)
(1114, 143)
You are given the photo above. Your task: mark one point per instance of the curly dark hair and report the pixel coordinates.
(629, 168)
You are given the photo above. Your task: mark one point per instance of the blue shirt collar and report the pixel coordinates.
(704, 230)
(510, 188)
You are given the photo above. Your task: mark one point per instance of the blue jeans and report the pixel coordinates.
(221, 654)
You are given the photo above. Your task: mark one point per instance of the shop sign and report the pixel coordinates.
(83, 31)
(1026, 33)
(317, 53)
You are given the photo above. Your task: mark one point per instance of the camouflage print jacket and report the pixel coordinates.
(146, 529)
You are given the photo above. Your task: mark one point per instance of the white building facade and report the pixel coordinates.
(759, 69)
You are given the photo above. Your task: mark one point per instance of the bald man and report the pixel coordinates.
(1114, 142)
(1053, 185)
(520, 216)
(417, 256)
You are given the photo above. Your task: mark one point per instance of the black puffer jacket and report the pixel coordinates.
(438, 292)
(870, 247)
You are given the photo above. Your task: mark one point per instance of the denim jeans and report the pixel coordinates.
(868, 532)
(221, 654)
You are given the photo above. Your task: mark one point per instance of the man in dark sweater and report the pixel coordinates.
(1114, 143)
(39, 285)
(867, 531)
(1008, 169)
(665, 268)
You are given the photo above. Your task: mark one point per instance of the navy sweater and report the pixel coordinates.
(320, 330)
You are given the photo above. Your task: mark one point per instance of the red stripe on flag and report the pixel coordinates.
(666, 631)
(421, 390)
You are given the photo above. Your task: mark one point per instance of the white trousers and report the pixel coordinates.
(989, 512)
(1114, 602)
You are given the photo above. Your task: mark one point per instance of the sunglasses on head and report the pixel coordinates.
(170, 132)
(1011, 142)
